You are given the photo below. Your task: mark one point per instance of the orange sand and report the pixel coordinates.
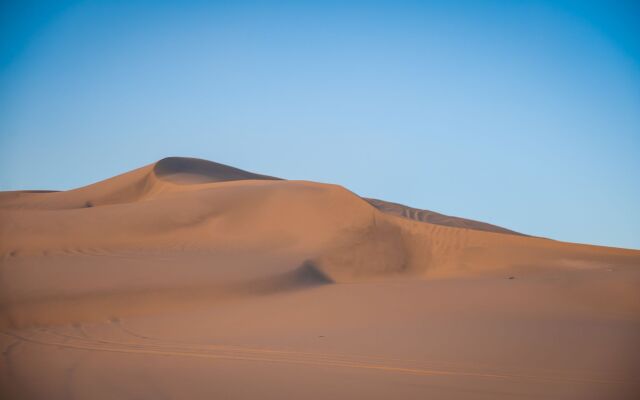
(187, 279)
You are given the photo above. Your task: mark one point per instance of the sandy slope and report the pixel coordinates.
(435, 218)
(191, 279)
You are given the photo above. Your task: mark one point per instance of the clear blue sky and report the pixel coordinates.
(524, 114)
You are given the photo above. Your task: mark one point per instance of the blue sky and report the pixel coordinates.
(519, 113)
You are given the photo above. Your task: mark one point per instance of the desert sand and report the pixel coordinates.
(188, 279)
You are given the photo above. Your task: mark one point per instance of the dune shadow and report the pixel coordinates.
(76, 307)
(184, 170)
(308, 274)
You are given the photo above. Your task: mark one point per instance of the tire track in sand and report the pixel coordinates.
(49, 337)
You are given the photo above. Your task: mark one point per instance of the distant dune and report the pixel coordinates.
(188, 278)
(435, 218)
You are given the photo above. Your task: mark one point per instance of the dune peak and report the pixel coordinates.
(187, 170)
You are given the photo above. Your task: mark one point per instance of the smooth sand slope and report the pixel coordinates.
(188, 279)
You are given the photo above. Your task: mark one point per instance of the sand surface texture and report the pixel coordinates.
(188, 279)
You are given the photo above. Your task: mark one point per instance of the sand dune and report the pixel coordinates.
(302, 288)
(435, 218)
